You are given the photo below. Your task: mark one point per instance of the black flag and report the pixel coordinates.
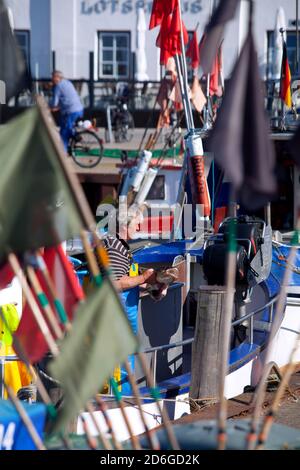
(12, 65)
(214, 32)
(240, 138)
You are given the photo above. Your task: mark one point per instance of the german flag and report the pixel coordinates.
(285, 80)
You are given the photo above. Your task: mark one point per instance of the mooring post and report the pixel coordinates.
(206, 349)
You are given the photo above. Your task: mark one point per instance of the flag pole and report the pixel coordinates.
(106, 444)
(44, 302)
(50, 285)
(206, 117)
(183, 94)
(156, 397)
(118, 396)
(153, 441)
(103, 409)
(184, 74)
(282, 31)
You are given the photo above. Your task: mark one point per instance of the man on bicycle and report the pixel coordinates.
(66, 100)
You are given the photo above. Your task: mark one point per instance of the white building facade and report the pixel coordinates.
(64, 32)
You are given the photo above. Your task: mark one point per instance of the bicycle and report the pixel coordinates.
(85, 146)
(121, 119)
(123, 124)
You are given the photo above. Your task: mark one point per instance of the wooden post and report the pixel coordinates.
(206, 358)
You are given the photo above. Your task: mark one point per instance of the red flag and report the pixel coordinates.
(169, 39)
(160, 8)
(193, 51)
(6, 276)
(65, 280)
(30, 336)
(216, 80)
(69, 293)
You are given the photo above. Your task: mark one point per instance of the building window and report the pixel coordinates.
(291, 44)
(114, 55)
(23, 39)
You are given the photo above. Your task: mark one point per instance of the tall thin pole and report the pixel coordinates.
(183, 72)
(212, 7)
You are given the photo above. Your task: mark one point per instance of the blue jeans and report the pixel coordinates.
(67, 124)
(130, 299)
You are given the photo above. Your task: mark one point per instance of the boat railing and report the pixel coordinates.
(249, 316)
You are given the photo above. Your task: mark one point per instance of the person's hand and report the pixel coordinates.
(149, 276)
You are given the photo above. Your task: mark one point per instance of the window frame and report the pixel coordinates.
(115, 48)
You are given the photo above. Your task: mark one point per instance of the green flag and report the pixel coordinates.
(37, 207)
(101, 338)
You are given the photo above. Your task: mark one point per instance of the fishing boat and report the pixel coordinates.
(166, 329)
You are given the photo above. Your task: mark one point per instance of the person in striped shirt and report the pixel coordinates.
(120, 260)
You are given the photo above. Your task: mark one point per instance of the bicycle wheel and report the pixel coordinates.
(86, 149)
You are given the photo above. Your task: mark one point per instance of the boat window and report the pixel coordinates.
(157, 190)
